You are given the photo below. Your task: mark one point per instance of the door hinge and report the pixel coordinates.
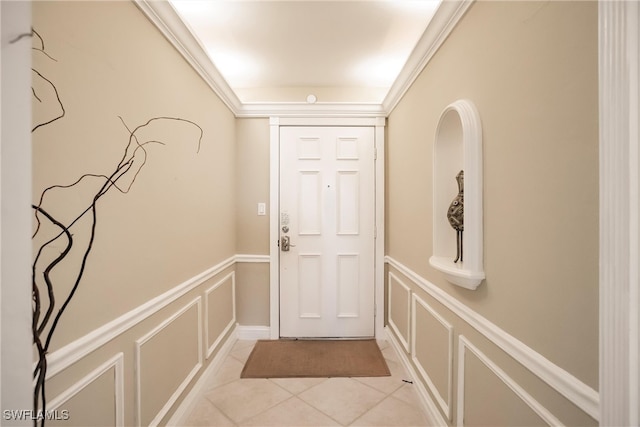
(375, 153)
(375, 232)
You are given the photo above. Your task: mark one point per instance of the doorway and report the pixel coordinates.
(327, 216)
(327, 246)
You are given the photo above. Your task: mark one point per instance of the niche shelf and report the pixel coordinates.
(458, 146)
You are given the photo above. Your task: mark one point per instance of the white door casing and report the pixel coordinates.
(327, 211)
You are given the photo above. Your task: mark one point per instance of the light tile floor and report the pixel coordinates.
(227, 400)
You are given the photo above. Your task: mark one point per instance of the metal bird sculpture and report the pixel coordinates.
(455, 215)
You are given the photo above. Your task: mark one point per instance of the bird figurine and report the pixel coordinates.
(455, 215)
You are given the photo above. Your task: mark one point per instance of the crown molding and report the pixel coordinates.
(166, 19)
(301, 109)
(444, 20)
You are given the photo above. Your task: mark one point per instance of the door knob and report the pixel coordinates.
(285, 244)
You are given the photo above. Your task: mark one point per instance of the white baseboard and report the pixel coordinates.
(430, 407)
(250, 333)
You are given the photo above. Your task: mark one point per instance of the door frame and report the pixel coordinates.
(378, 123)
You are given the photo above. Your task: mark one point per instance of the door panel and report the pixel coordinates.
(327, 210)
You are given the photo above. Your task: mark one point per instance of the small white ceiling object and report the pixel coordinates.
(283, 50)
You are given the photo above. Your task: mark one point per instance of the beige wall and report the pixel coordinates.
(531, 70)
(161, 265)
(252, 233)
(252, 177)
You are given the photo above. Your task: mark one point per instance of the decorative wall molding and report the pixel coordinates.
(197, 302)
(117, 363)
(579, 393)
(243, 258)
(167, 20)
(76, 350)
(319, 109)
(444, 20)
(463, 345)
(619, 90)
(430, 408)
(211, 347)
(443, 401)
(191, 399)
(405, 340)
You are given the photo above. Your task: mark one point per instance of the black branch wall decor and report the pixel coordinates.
(55, 234)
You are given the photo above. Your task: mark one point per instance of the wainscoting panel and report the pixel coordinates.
(219, 311)
(97, 399)
(166, 360)
(488, 396)
(138, 368)
(432, 351)
(585, 400)
(513, 385)
(399, 301)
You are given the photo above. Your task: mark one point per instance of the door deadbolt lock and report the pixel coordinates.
(285, 244)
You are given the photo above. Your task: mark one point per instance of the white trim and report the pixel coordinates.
(116, 362)
(244, 258)
(404, 340)
(463, 345)
(16, 339)
(275, 123)
(579, 393)
(442, 24)
(211, 348)
(274, 227)
(619, 63)
(379, 123)
(190, 401)
(183, 385)
(327, 121)
(444, 402)
(303, 109)
(167, 20)
(434, 416)
(76, 350)
(253, 333)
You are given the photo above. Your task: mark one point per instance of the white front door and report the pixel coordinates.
(327, 214)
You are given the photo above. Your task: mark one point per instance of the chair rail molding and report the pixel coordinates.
(581, 394)
(76, 350)
(464, 346)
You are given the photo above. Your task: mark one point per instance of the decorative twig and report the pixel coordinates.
(129, 165)
(57, 97)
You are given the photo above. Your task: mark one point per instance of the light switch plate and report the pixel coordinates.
(262, 208)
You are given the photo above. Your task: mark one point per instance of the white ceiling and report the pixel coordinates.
(282, 51)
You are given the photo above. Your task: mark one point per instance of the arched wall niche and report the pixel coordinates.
(458, 146)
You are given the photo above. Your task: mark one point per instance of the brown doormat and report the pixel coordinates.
(315, 358)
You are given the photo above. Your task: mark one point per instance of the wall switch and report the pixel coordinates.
(262, 208)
